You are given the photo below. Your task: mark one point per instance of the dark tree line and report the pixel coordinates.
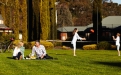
(34, 28)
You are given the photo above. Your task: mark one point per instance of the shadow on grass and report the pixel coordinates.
(36, 59)
(61, 54)
(116, 64)
(10, 57)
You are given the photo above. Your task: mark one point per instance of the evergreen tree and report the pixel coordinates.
(53, 26)
(23, 19)
(64, 14)
(45, 19)
(97, 19)
(33, 20)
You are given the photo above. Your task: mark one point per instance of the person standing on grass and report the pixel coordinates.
(75, 37)
(117, 39)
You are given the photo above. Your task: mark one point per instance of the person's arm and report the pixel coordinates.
(44, 51)
(114, 38)
(33, 50)
(78, 37)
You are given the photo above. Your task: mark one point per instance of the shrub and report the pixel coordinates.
(90, 47)
(58, 44)
(15, 42)
(104, 45)
(5, 38)
(28, 45)
(113, 47)
(66, 48)
(48, 45)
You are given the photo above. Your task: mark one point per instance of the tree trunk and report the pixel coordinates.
(97, 20)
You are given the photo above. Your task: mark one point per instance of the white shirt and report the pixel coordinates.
(118, 40)
(16, 51)
(75, 37)
(39, 51)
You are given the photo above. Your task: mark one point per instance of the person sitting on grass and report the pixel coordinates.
(17, 55)
(40, 51)
(22, 49)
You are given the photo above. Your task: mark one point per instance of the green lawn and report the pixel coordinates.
(87, 62)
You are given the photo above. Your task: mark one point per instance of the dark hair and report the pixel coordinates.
(75, 29)
(37, 41)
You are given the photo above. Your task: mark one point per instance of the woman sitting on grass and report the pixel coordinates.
(18, 52)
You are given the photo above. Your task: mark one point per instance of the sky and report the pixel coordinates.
(117, 1)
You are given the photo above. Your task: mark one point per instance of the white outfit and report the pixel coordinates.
(16, 51)
(39, 51)
(75, 37)
(118, 42)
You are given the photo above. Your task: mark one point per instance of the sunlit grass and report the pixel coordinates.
(87, 62)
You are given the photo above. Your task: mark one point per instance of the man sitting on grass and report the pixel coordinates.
(40, 51)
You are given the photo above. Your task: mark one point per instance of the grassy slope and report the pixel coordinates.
(93, 62)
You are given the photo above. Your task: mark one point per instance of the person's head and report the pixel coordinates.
(75, 30)
(118, 34)
(21, 43)
(37, 43)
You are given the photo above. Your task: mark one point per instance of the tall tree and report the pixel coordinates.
(33, 20)
(64, 14)
(53, 26)
(23, 19)
(97, 19)
(45, 19)
(16, 20)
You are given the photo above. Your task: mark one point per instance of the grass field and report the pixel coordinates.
(87, 62)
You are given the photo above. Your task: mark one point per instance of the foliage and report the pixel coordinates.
(45, 19)
(104, 45)
(34, 20)
(97, 19)
(66, 48)
(81, 10)
(113, 47)
(53, 26)
(48, 45)
(16, 19)
(15, 42)
(90, 47)
(28, 45)
(14, 14)
(23, 19)
(64, 15)
(6, 37)
(58, 44)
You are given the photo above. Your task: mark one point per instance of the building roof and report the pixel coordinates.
(71, 28)
(108, 22)
(2, 26)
